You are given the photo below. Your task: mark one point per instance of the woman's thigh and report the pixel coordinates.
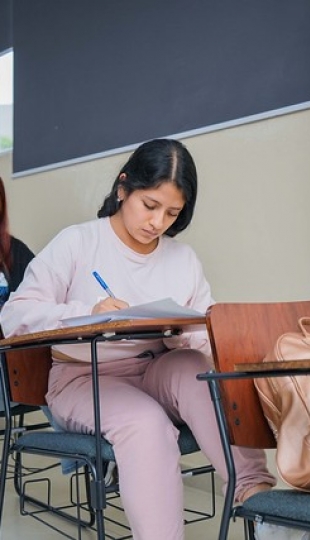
(171, 380)
(123, 406)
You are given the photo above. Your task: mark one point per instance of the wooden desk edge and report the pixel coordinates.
(271, 366)
(91, 330)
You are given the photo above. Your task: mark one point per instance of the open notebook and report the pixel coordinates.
(164, 308)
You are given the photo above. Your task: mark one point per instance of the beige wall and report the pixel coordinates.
(252, 224)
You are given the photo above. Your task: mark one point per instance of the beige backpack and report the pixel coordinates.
(286, 404)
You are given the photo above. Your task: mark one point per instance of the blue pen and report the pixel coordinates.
(103, 284)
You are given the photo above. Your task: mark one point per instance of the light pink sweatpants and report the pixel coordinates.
(140, 400)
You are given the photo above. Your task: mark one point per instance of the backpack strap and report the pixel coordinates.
(304, 324)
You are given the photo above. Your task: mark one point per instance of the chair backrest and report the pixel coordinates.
(28, 371)
(244, 333)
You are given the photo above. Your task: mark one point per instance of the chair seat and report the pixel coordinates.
(18, 409)
(64, 442)
(283, 503)
(187, 441)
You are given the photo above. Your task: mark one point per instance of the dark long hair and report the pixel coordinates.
(5, 238)
(151, 164)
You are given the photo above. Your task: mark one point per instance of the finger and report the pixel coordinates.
(109, 304)
(120, 304)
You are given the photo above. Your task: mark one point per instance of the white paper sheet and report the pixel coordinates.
(164, 308)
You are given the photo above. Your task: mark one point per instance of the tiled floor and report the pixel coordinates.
(15, 525)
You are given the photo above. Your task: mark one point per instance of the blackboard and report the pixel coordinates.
(6, 38)
(93, 77)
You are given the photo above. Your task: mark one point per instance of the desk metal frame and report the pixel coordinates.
(92, 334)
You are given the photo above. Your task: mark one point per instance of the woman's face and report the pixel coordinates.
(146, 214)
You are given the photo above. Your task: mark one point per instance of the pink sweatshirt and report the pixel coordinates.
(59, 284)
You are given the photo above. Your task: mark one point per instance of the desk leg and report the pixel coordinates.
(221, 422)
(7, 433)
(99, 485)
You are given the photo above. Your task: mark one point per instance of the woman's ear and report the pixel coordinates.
(121, 192)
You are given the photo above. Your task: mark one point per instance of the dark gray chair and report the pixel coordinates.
(241, 335)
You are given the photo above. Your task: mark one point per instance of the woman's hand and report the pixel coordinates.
(108, 304)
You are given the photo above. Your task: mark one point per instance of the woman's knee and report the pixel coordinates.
(188, 362)
(148, 422)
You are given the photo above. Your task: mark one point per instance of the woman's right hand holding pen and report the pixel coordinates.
(108, 304)
(111, 303)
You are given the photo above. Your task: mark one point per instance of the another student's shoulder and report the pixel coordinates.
(20, 248)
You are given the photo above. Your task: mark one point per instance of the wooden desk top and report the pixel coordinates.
(76, 333)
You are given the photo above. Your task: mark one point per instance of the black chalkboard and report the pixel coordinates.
(95, 76)
(6, 38)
